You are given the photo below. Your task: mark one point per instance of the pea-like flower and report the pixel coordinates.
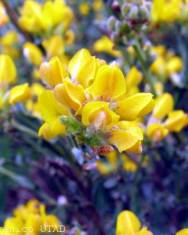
(98, 97)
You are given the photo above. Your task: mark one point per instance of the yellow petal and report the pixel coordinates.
(32, 53)
(135, 106)
(49, 107)
(19, 93)
(105, 44)
(50, 130)
(109, 83)
(54, 46)
(53, 72)
(7, 70)
(174, 65)
(128, 164)
(125, 136)
(157, 131)
(9, 38)
(82, 67)
(127, 224)
(176, 121)
(145, 231)
(182, 232)
(159, 66)
(97, 113)
(70, 94)
(133, 78)
(163, 105)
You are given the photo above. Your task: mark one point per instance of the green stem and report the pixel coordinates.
(142, 58)
(24, 129)
(21, 180)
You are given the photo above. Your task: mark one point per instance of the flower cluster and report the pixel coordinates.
(42, 18)
(94, 97)
(31, 219)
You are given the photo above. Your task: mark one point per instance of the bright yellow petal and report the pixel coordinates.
(125, 136)
(109, 83)
(127, 224)
(133, 78)
(32, 53)
(157, 131)
(97, 113)
(145, 231)
(49, 107)
(7, 70)
(53, 72)
(70, 94)
(163, 105)
(19, 93)
(182, 232)
(50, 130)
(54, 46)
(174, 65)
(82, 67)
(135, 106)
(176, 121)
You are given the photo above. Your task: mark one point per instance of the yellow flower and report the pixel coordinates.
(97, 5)
(69, 37)
(176, 121)
(30, 219)
(32, 53)
(38, 18)
(57, 12)
(109, 83)
(9, 38)
(53, 72)
(129, 224)
(31, 16)
(104, 44)
(49, 107)
(158, 50)
(82, 67)
(182, 232)
(175, 64)
(135, 106)
(128, 164)
(70, 94)
(98, 114)
(165, 63)
(84, 8)
(19, 93)
(165, 11)
(110, 165)
(54, 46)
(157, 131)
(14, 225)
(50, 130)
(31, 104)
(7, 70)
(126, 135)
(163, 105)
(133, 78)
(159, 66)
